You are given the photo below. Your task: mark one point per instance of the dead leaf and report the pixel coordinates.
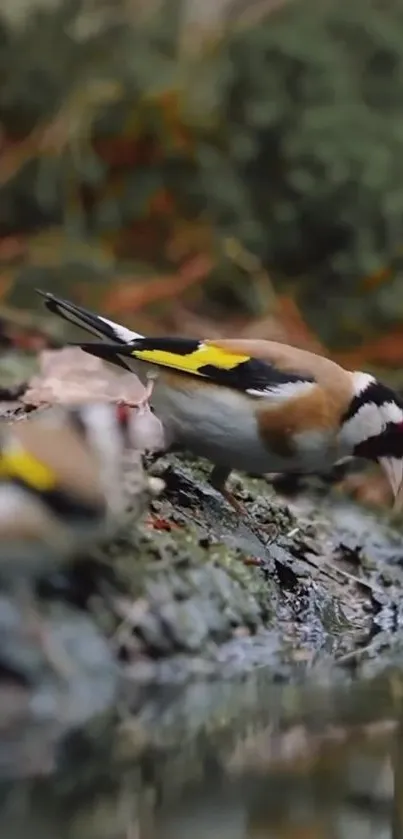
(70, 377)
(12, 249)
(371, 489)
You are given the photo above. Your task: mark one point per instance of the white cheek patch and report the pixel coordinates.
(120, 331)
(367, 422)
(102, 431)
(12, 502)
(392, 412)
(361, 382)
(279, 393)
(107, 444)
(370, 421)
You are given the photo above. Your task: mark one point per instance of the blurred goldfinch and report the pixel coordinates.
(60, 482)
(61, 492)
(254, 405)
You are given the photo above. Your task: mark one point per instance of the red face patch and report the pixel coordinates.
(123, 413)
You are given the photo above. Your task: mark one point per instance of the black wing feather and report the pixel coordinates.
(253, 374)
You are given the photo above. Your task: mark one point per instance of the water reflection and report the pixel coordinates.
(233, 761)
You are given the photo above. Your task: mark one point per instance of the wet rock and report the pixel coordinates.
(67, 666)
(159, 590)
(198, 596)
(186, 624)
(216, 620)
(151, 630)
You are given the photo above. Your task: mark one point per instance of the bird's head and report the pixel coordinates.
(372, 427)
(112, 427)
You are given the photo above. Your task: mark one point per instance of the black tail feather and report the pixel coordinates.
(103, 351)
(78, 316)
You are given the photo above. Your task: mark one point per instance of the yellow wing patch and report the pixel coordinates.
(205, 354)
(20, 464)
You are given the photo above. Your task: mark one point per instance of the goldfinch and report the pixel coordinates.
(254, 405)
(60, 483)
(61, 491)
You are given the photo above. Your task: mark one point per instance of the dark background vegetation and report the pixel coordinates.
(240, 176)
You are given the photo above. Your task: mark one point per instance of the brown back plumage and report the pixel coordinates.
(60, 448)
(290, 359)
(320, 408)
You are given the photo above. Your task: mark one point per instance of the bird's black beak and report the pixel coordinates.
(393, 468)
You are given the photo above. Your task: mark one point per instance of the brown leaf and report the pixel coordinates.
(385, 351)
(372, 489)
(377, 278)
(70, 375)
(127, 150)
(12, 249)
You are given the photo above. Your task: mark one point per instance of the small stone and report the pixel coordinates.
(155, 486)
(150, 628)
(186, 624)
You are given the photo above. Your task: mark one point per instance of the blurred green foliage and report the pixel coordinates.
(286, 135)
(317, 94)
